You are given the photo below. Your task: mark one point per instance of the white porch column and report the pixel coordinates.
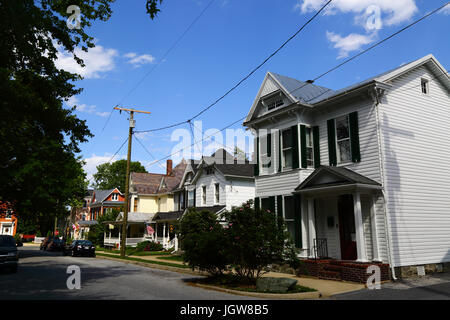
(373, 223)
(311, 227)
(164, 235)
(359, 230)
(304, 226)
(119, 238)
(176, 242)
(156, 232)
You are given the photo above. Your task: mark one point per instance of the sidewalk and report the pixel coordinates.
(327, 288)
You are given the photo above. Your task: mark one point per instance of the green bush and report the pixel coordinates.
(148, 246)
(203, 242)
(255, 239)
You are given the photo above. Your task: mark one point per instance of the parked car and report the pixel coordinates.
(55, 245)
(46, 241)
(9, 256)
(80, 248)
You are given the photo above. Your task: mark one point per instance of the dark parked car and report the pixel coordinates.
(9, 257)
(55, 245)
(46, 241)
(80, 248)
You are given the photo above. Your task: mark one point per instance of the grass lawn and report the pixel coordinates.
(229, 281)
(146, 261)
(173, 258)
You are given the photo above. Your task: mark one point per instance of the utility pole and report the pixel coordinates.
(123, 240)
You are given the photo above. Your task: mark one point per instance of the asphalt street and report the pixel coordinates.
(43, 275)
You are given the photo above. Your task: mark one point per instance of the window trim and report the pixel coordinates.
(263, 141)
(188, 198)
(338, 153)
(115, 197)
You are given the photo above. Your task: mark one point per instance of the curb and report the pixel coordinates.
(153, 265)
(287, 296)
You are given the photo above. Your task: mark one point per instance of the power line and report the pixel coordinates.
(325, 73)
(247, 76)
(151, 155)
(156, 65)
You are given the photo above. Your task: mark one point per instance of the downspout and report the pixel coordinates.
(376, 101)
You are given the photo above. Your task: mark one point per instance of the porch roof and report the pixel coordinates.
(167, 216)
(333, 178)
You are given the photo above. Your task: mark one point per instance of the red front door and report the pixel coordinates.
(347, 227)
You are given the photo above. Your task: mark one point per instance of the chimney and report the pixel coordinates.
(169, 167)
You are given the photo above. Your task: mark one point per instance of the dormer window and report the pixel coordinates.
(274, 103)
(209, 170)
(424, 85)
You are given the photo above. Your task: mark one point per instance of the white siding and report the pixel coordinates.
(277, 184)
(209, 181)
(239, 191)
(370, 160)
(415, 132)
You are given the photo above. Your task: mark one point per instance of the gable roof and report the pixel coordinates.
(101, 195)
(308, 94)
(227, 164)
(326, 176)
(156, 183)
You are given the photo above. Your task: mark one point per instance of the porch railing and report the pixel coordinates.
(320, 248)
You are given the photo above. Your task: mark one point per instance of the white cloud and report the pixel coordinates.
(349, 43)
(394, 11)
(91, 163)
(97, 60)
(139, 60)
(446, 9)
(90, 109)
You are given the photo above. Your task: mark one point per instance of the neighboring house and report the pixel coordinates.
(153, 194)
(8, 221)
(104, 201)
(221, 181)
(79, 217)
(361, 173)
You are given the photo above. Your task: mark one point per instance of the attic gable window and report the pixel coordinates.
(424, 85)
(115, 197)
(274, 103)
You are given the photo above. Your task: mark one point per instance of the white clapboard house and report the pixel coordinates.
(360, 174)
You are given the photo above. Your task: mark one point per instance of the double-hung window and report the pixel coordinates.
(287, 149)
(343, 139)
(216, 193)
(289, 214)
(204, 195)
(309, 147)
(266, 160)
(115, 197)
(191, 198)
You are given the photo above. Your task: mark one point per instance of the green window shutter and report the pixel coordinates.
(354, 136)
(269, 145)
(195, 197)
(316, 145)
(298, 221)
(279, 150)
(257, 204)
(294, 147)
(331, 142)
(256, 167)
(280, 209)
(303, 145)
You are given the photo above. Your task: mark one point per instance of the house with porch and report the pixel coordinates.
(104, 201)
(361, 174)
(8, 221)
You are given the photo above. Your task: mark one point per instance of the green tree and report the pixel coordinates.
(112, 175)
(39, 169)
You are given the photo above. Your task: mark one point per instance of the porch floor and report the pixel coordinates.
(344, 270)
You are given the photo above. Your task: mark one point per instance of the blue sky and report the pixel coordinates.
(229, 40)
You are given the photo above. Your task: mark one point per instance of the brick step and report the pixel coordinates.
(330, 275)
(331, 267)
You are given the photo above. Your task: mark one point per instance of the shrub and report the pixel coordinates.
(203, 242)
(255, 239)
(148, 246)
